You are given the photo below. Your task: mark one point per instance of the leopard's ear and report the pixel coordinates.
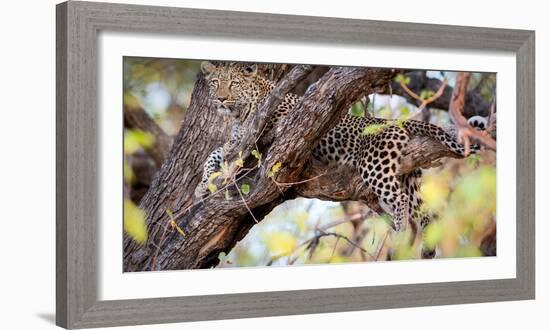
(250, 70)
(207, 68)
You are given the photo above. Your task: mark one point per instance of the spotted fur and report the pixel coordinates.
(478, 122)
(237, 91)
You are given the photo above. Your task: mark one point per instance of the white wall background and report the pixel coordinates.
(27, 175)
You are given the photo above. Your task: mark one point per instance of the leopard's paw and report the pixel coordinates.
(201, 191)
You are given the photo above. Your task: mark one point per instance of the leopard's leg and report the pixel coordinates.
(212, 164)
(379, 166)
(390, 195)
(395, 201)
(411, 183)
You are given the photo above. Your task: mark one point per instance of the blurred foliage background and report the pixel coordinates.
(461, 192)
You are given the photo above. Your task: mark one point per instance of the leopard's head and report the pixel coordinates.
(232, 87)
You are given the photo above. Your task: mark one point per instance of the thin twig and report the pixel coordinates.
(245, 203)
(157, 251)
(322, 232)
(425, 102)
(300, 182)
(381, 246)
(334, 248)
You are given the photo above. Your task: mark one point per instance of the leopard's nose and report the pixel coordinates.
(222, 98)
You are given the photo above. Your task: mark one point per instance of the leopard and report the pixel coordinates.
(237, 91)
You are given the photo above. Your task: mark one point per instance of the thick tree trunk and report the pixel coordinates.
(202, 130)
(216, 224)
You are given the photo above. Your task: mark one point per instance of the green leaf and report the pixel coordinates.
(245, 188)
(400, 122)
(357, 110)
(134, 222)
(373, 129)
(400, 78)
(426, 94)
(258, 156)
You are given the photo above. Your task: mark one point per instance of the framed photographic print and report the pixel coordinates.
(215, 165)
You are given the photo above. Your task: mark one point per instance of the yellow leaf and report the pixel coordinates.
(281, 243)
(174, 225)
(134, 222)
(212, 188)
(274, 169)
(239, 162)
(435, 193)
(129, 176)
(131, 101)
(214, 175)
(256, 154)
(137, 139)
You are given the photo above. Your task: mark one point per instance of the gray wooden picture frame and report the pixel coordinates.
(78, 24)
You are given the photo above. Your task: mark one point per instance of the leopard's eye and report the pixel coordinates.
(214, 83)
(235, 83)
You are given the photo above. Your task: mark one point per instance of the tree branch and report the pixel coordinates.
(474, 103)
(344, 184)
(456, 107)
(216, 224)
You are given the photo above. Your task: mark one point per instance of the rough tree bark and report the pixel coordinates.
(216, 224)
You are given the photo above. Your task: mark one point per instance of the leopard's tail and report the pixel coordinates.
(420, 128)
